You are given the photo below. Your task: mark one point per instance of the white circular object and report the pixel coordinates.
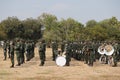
(101, 51)
(60, 61)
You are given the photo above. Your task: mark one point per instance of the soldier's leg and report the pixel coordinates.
(22, 58)
(67, 61)
(9, 54)
(42, 62)
(5, 54)
(12, 60)
(86, 59)
(91, 59)
(28, 56)
(53, 55)
(115, 61)
(18, 58)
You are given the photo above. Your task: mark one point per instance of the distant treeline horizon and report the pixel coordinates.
(47, 26)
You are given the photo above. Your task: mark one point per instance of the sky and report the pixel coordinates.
(80, 10)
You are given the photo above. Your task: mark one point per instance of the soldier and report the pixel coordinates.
(115, 54)
(54, 49)
(118, 51)
(12, 54)
(68, 55)
(8, 44)
(91, 54)
(74, 50)
(85, 52)
(88, 51)
(42, 50)
(22, 49)
(28, 49)
(5, 50)
(32, 49)
(18, 51)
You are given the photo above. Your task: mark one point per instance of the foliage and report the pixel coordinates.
(69, 29)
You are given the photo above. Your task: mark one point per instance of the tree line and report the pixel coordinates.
(47, 26)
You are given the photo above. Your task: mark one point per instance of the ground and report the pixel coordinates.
(76, 71)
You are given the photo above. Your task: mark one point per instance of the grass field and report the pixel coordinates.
(76, 71)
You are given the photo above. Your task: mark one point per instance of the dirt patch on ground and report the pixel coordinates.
(76, 71)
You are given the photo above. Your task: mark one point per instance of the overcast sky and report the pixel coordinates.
(80, 10)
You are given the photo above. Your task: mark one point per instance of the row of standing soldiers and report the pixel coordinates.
(21, 48)
(84, 51)
(75, 50)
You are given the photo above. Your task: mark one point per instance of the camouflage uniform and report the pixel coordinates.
(12, 54)
(8, 44)
(22, 49)
(68, 55)
(5, 50)
(91, 54)
(28, 49)
(42, 49)
(54, 50)
(18, 52)
(115, 54)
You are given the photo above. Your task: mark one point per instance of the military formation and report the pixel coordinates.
(86, 51)
(19, 47)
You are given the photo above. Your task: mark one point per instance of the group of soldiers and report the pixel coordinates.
(21, 48)
(86, 51)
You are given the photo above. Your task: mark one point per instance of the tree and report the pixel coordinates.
(49, 21)
(9, 27)
(32, 29)
(91, 23)
(71, 29)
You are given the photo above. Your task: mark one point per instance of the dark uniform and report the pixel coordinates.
(115, 54)
(22, 49)
(28, 50)
(18, 51)
(42, 49)
(8, 44)
(5, 50)
(89, 55)
(12, 54)
(68, 54)
(54, 50)
(32, 49)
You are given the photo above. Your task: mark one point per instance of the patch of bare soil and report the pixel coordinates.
(50, 71)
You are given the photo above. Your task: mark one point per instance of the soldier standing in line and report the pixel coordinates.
(18, 51)
(12, 54)
(85, 52)
(118, 51)
(88, 51)
(5, 50)
(22, 59)
(32, 49)
(81, 47)
(68, 54)
(42, 50)
(115, 54)
(8, 44)
(91, 53)
(27, 49)
(54, 49)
